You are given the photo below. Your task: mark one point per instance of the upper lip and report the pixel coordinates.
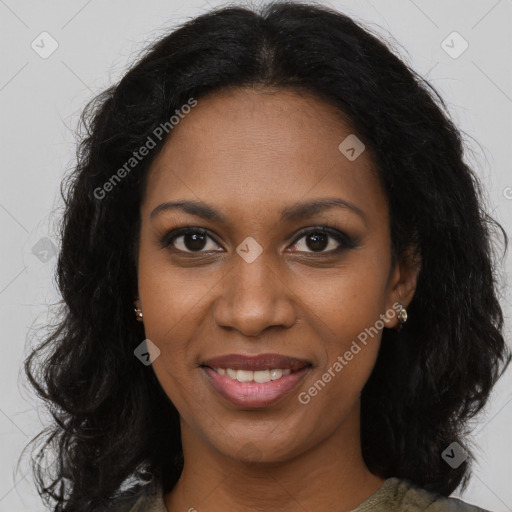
(254, 363)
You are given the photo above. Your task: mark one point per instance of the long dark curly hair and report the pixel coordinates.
(113, 427)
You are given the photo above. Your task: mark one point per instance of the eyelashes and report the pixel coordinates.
(199, 238)
(342, 239)
(196, 236)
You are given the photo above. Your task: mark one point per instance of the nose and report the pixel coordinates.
(254, 297)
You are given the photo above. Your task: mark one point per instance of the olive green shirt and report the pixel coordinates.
(394, 495)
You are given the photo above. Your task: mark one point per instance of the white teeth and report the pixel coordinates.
(259, 376)
(244, 376)
(231, 373)
(276, 374)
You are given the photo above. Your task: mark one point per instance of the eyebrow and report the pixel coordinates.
(288, 214)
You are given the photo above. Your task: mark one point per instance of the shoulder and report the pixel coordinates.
(415, 498)
(402, 495)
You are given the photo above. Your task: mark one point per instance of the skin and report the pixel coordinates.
(249, 153)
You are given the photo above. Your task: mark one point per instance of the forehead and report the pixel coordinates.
(248, 147)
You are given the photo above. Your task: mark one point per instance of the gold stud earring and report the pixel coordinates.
(402, 316)
(138, 313)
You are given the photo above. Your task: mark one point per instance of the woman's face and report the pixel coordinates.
(263, 280)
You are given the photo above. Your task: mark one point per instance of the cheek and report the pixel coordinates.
(345, 300)
(175, 309)
(174, 299)
(344, 310)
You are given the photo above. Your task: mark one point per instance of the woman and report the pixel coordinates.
(278, 280)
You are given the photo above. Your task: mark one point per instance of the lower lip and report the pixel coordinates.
(254, 394)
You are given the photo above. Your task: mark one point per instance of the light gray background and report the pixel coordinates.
(40, 100)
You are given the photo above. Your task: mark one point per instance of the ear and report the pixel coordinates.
(402, 283)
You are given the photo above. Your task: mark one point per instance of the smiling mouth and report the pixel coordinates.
(252, 381)
(246, 389)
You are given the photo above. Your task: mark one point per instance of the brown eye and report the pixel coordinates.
(189, 240)
(317, 241)
(322, 240)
